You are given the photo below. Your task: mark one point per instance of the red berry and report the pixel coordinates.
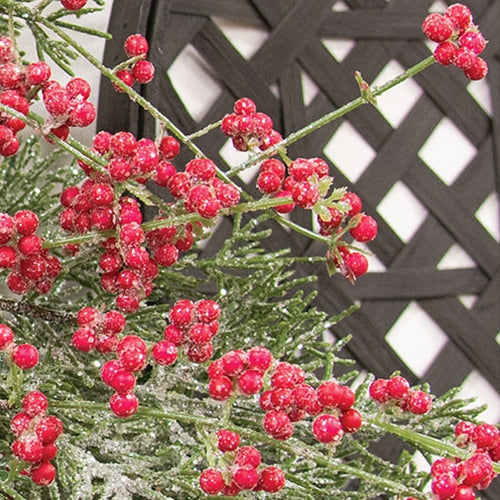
(277, 424)
(397, 387)
(126, 77)
(227, 440)
(464, 492)
(48, 429)
(6, 49)
(143, 71)
(444, 486)
(199, 353)
(444, 53)
(25, 222)
(248, 455)
(35, 403)
(6, 336)
(351, 420)
(123, 381)
(268, 182)
(136, 45)
(220, 388)
(464, 58)
(437, 27)
(459, 15)
(329, 394)
(43, 474)
(169, 147)
(272, 479)
(259, 358)
(366, 229)
(165, 353)
(244, 106)
(212, 481)
(443, 466)
(473, 41)
(250, 382)
(25, 356)
(20, 423)
(28, 448)
(327, 429)
(181, 314)
(37, 73)
(356, 263)
(246, 477)
(233, 362)
(305, 194)
(84, 339)
(109, 369)
(418, 402)
(73, 4)
(485, 436)
(478, 70)
(123, 405)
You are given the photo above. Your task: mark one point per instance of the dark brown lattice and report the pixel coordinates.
(382, 31)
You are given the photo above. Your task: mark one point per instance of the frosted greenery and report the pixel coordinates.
(160, 451)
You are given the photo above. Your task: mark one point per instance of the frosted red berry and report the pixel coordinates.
(366, 229)
(165, 353)
(211, 481)
(437, 27)
(272, 479)
(227, 440)
(123, 405)
(220, 388)
(136, 45)
(73, 4)
(35, 403)
(25, 356)
(327, 428)
(6, 336)
(43, 474)
(246, 477)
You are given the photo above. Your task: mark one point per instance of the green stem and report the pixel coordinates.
(336, 114)
(9, 492)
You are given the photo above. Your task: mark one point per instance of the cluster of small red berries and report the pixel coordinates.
(456, 479)
(30, 266)
(192, 326)
(459, 41)
(288, 399)
(141, 71)
(73, 4)
(242, 469)
(248, 128)
(201, 191)
(36, 434)
(25, 356)
(239, 370)
(396, 391)
(98, 330)
(68, 105)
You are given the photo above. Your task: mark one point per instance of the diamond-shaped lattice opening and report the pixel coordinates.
(402, 210)
(189, 73)
(480, 91)
(246, 39)
(339, 48)
(447, 151)
(349, 151)
(416, 339)
(476, 386)
(487, 215)
(396, 103)
(233, 158)
(309, 88)
(455, 258)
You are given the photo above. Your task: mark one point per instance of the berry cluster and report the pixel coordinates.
(239, 370)
(200, 190)
(459, 41)
(306, 181)
(192, 327)
(68, 105)
(456, 479)
(30, 266)
(248, 128)
(97, 330)
(25, 356)
(139, 69)
(288, 399)
(396, 391)
(242, 469)
(36, 434)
